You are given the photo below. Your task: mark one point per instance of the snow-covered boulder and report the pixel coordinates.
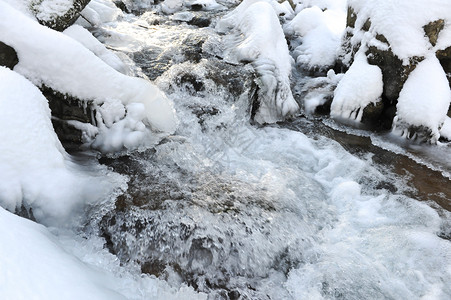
(54, 60)
(404, 40)
(255, 35)
(35, 171)
(56, 14)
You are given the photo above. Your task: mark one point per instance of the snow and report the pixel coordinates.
(63, 64)
(319, 90)
(85, 38)
(259, 38)
(402, 22)
(172, 6)
(34, 264)
(47, 10)
(361, 85)
(35, 171)
(424, 99)
(98, 12)
(320, 32)
(445, 131)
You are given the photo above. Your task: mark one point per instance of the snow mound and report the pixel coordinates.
(35, 171)
(423, 101)
(53, 59)
(34, 266)
(320, 32)
(257, 36)
(361, 85)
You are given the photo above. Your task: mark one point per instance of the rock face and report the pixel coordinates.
(8, 56)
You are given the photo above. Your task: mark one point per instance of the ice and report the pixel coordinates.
(360, 86)
(424, 99)
(262, 42)
(267, 211)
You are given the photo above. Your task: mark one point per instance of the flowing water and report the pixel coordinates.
(297, 210)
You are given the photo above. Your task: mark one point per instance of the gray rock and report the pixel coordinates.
(8, 56)
(67, 108)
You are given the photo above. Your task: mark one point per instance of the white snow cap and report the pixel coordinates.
(424, 99)
(320, 32)
(258, 37)
(51, 58)
(361, 85)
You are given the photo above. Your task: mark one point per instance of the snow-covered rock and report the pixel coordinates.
(403, 40)
(54, 60)
(35, 171)
(423, 102)
(256, 36)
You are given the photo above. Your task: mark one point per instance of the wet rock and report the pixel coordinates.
(351, 17)
(8, 56)
(432, 30)
(65, 20)
(444, 56)
(394, 73)
(200, 22)
(372, 112)
(122, 6)
(366, 26)
(65, 108)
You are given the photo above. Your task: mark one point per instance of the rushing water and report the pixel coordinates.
(291, 211)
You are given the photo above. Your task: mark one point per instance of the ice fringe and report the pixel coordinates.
(257, 36)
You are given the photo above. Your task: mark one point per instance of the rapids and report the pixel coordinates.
(306, 209)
